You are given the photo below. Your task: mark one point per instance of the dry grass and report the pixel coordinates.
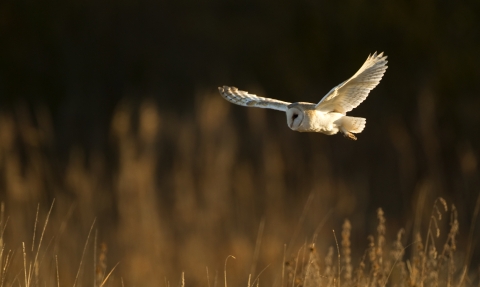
(178, 194)
(386, 265)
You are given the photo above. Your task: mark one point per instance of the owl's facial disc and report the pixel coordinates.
(294, 118)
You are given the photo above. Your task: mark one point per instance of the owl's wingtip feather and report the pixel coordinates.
(227, 88)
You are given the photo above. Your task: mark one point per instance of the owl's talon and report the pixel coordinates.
(350, 136)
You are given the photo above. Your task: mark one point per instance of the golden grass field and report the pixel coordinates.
(180, 200)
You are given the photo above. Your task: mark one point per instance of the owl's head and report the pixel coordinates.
(295, 117)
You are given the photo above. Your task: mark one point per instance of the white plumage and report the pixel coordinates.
(329, 115)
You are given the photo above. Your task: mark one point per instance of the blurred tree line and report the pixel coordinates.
(81, 57)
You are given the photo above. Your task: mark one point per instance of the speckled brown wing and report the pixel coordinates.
(243, 98)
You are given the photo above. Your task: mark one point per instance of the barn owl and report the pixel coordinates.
(329, 115)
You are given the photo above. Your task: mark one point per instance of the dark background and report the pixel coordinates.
(80, 58)
(82, 62)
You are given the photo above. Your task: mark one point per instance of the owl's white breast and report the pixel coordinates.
(317, 121)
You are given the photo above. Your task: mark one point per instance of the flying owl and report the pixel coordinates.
(329, 115)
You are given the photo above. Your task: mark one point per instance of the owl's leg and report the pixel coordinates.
(346, 133)
(349, 135)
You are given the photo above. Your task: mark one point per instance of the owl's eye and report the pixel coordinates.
(295, 116)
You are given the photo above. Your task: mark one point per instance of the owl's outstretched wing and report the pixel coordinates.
(243, 98)
(351, 93)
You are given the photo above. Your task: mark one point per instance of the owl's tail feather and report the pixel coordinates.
(353, 125)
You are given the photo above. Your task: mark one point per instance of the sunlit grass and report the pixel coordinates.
(382, 264)
(175, 196)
